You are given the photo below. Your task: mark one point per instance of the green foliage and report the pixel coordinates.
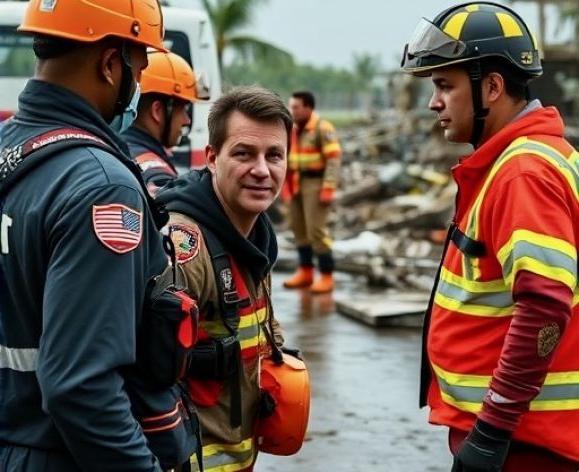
(229, 19)
(334, 88)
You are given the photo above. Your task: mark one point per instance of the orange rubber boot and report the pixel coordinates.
(323, 284)
(303, 277)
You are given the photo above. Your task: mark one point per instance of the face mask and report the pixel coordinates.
(123, 121)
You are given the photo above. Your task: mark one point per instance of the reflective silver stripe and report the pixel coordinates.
(477, 394)
(22, 360)
(550, 257)
(494, 299)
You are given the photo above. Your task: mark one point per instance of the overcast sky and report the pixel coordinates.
(329, 31)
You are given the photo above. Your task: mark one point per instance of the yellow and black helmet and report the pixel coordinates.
(469, 32)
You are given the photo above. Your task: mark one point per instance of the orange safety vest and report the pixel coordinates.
(310, 150)
(524, 207)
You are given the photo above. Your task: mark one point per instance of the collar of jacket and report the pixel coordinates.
(192, 195)
(470, 173)
(311, 124)
(137, 138)
(48, 105)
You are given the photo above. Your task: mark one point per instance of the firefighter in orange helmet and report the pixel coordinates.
(168, 88)
(80, 247)
(500, 365)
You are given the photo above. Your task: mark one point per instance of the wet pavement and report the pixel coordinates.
(364, 414)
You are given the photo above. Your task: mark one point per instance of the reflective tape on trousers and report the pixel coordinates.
(19, 359)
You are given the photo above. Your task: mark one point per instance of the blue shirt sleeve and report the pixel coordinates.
(92, 301)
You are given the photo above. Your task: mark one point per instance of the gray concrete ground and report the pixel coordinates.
(364, 414)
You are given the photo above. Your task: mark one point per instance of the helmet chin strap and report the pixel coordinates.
(480, 113)
(165, 135)
(126, 88)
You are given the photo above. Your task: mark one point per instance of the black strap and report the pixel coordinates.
(468, 246)
(425, 368)
(229, 302)
(17, 162)
(480, 113)
(228, 296)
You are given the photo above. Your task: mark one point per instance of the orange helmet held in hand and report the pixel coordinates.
(139, 21)
(288, 384)
(171, 75)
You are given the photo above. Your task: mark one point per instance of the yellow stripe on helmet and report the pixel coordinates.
(509, 25)
(454, 26)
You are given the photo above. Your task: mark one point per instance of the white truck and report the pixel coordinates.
(188, 32)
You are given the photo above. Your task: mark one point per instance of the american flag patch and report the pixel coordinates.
(117, 226)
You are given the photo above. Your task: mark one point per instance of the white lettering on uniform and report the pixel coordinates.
(5, 223)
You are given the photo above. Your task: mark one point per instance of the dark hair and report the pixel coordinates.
(52, 47)
(254, 102)
(306, 97)
(515, 80)
(147, 99)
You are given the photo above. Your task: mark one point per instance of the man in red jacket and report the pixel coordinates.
(500, 364)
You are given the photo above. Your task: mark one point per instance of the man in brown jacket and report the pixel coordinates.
(225, 248)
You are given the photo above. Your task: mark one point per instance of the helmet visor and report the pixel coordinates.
(429, 40)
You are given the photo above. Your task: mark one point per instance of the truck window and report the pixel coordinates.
(178, 42)
(16, 55)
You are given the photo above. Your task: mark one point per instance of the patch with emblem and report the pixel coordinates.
(186, 241)
(548, 339)
(527, 58)
(117, 226)
(330, 136)
(226, 278)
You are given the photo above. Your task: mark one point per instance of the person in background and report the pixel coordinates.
(312, 179)
(168, 89)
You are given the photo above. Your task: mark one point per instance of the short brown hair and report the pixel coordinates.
(255, 102)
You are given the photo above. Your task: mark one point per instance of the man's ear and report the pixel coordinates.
(210, 158)
(157, 111)
(494, 85)
(109, 65)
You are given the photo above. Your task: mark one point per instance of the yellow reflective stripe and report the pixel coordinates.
(258, 340)
(554, 405)
(212, 449)
(462, 380)
(331, 148)
(471, 309)
(253, 318)
(560, 391)
(226, 457)
(509, 25)
(245, 321)
(471, 8)
(539, 268)
(541, 254)
(454, 26)
(537, 239)
(497, 285)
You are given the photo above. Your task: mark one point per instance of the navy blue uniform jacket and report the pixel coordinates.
(69, 305)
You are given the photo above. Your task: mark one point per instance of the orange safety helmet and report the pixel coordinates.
(171, 75)
(282, 432)
(139, 21)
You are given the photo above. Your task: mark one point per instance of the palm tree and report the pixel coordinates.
(228, 18)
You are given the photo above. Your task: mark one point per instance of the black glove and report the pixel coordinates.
(294, 352)
(484, 449)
